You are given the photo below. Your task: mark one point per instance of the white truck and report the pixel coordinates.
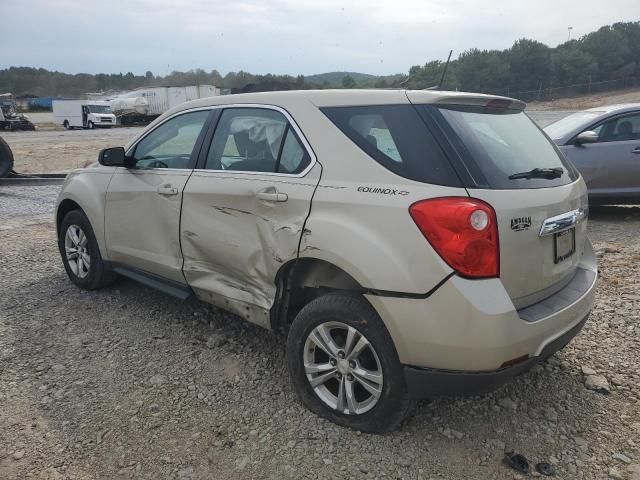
(83, 114)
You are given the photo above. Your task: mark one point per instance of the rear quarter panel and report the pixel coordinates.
(360, 220)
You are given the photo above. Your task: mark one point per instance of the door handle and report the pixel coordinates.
(270, 194)
(167, 189)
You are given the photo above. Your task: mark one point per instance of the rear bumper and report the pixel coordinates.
(471, 327)
(431, 383)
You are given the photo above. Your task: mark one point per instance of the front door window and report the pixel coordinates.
(171, 145)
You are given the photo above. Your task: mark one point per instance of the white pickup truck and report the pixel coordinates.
(83, 114)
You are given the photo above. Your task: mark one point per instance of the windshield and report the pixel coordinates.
(99, 108)
(497, 145)
(568, 124)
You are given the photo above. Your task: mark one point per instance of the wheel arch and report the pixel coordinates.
(85, 190)
(301, 280)
(65, 207)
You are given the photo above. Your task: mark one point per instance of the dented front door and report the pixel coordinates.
(238, 229)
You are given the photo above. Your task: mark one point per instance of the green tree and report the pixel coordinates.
(610, 48)
(348, 82)
(570, 64)
(381, 83)
(484, 71)
(530, 64)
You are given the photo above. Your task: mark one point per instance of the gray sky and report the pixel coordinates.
(281, 36)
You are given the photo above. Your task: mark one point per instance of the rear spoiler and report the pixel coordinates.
(488, 102)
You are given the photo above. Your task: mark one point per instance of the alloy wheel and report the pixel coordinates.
(76, 250)
(343, 368)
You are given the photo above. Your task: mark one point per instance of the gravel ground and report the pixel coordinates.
(62, 150)
(128, 383)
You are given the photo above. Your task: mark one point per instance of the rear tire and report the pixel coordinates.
(80, 253)
(65, 124)
(6, 159)
(364, 387)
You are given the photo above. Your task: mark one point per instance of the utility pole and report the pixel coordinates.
(569, 30)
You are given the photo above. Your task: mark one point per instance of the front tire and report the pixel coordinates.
(90, 125)
(344, 365)
(80, 252)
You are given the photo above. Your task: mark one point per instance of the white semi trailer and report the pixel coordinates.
(145, 104)
(83, 114)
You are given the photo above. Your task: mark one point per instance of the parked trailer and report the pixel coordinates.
(145, 104)
(130, 106)
(83, 114)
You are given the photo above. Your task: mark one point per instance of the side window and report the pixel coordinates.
(293, 158)
(374, 130)
(619, 129)
(255, 140)
(397, 138)
(171, 144)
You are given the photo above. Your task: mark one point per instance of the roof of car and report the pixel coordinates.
(620, 107)
(349, 97)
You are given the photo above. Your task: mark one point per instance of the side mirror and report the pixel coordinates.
(112, 157)
(587, 136)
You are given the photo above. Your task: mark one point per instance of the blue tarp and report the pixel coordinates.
(44, 102)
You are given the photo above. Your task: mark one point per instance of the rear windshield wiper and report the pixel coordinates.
(548, 173)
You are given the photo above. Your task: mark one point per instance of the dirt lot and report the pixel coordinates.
(63, 150)
(128, 383)
(583, 102)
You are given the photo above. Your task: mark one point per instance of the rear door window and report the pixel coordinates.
(256, 140)
(494, 145)
(397, 138)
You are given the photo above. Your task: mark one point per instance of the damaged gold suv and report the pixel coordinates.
(414, 243)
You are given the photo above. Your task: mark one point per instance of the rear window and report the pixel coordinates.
(397, 138)
(494, 145)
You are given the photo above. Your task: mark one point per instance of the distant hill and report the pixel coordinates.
(335, 78)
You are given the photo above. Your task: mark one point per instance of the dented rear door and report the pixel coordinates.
(239, 227)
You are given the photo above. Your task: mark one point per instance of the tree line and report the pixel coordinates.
(612, 52)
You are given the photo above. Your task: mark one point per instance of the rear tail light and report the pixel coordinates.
(463, 231)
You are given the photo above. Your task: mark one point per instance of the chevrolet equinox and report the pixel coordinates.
(414, 244)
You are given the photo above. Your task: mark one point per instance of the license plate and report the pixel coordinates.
(564, 245)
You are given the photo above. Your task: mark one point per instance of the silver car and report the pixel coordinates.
(604, 145)
(414, 244)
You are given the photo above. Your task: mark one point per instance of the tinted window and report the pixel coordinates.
(171, 144)
(494, 145)
(569, 123)
(620, 129)
(396, 137)
(255, 140)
